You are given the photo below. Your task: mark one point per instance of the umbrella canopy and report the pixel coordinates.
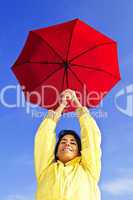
(68, 55)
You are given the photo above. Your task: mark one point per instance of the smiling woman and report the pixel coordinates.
(71, 168)
(68, 146)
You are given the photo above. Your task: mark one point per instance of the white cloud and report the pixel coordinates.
(120, 186)
(19, 197)
(27, 193)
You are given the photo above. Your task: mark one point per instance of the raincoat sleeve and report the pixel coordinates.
(90, 140)
(45, 141)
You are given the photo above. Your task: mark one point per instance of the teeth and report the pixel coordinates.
(67, 149)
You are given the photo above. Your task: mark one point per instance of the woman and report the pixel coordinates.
(71, 169)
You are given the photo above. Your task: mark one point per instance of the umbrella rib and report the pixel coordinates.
(63, 80)
(44, 41)
(47, 77)
(48, 63)
(82, 84)
(66, 72)
(90, 49)
(93, 68)
(76, 77)
(70, 41)
(45, 62)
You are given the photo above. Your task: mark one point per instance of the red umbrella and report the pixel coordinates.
(68, 55)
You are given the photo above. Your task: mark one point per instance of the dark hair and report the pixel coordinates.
(62, 133)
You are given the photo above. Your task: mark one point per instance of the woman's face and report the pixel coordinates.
(67, 149)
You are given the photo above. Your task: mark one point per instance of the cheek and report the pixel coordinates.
(76, 150)
(59, 148)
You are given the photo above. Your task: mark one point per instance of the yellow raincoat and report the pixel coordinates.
(78, 178)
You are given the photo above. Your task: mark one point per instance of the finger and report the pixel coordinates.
(68, 96)
(66, 92)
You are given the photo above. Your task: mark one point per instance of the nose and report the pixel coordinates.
(67, 144)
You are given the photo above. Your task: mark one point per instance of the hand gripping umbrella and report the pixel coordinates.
(68, 55)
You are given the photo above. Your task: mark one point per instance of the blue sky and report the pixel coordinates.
(113, 18)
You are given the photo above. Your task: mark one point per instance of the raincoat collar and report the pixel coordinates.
(71, 162)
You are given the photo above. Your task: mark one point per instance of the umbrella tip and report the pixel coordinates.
(76, 19)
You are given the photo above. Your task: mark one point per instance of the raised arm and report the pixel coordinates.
(90, 139)
(45, 141)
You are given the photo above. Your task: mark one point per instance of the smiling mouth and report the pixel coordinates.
(67, 150)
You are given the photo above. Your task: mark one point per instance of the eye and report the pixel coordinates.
(73, 143)
(63, 142)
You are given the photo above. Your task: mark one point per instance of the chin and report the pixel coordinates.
(67, 159)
